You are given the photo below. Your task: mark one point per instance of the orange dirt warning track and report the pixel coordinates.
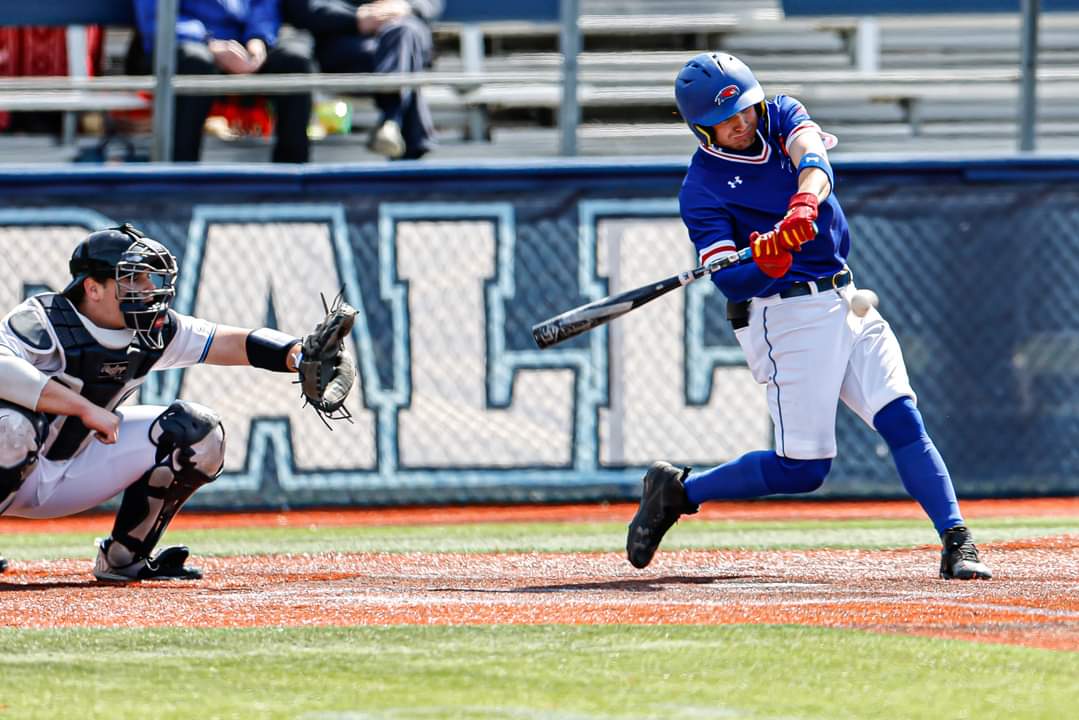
(1033, 600)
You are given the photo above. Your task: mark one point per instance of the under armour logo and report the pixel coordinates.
(736, 182)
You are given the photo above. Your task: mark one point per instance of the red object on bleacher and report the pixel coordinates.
(245, 115)
(30, 51)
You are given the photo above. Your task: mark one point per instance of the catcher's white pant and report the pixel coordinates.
(812, 351)
(99, 472)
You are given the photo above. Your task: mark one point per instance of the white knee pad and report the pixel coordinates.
(21, 433)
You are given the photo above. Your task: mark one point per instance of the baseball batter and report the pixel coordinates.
(69, 359)
(761, 177)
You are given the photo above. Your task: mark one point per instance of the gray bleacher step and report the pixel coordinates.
(973, 37)
(974, 59)
(595, 141)
(675, 7)
(794, 40)
(654, 61)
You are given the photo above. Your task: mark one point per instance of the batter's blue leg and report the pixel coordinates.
(920, 466)
(757, 474)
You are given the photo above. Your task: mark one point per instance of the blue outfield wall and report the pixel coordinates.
(975, 262)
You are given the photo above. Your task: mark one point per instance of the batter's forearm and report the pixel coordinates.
(811, 159)
(816, 182)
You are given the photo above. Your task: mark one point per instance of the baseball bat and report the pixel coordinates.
(572, 323)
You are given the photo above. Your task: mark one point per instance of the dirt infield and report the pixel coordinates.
(1033, 601)
(885, 591)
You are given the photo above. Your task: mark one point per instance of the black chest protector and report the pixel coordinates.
(104, 376)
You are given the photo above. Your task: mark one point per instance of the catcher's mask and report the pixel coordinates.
(145, 274)
(713, 87)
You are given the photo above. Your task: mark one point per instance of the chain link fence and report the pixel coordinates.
(455, 404)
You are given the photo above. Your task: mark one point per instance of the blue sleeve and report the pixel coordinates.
(792, 115)
(743, 281)
(187, 28)
(710, 230)
(706, 220)
(793, 119)
(263, 21)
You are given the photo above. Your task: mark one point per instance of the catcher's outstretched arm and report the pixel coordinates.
(264, 348)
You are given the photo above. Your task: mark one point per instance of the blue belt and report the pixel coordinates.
(832, 282)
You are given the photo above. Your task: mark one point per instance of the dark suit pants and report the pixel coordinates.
(400, 47)
(293, 112)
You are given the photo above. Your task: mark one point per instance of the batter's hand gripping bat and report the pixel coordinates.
(581, 319)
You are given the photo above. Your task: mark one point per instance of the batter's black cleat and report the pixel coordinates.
(166, 564)
(959, 557)
(663, 501)
(3, 564)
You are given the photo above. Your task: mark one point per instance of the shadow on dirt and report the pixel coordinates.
(35, 586)
(649, 584)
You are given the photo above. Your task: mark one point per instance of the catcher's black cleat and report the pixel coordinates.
(166, 564)
(3, 564)
(663, 501)
(959, 557)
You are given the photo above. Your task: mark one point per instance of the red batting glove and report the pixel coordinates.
(797, 228)
(771, 257)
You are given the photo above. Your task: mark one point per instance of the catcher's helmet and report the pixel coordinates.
(145, 274)
(713, 87)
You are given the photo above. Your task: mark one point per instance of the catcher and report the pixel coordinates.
(69, 359)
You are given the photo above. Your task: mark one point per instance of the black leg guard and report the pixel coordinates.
(190, 453)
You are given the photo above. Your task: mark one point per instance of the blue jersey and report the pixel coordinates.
(726, 196)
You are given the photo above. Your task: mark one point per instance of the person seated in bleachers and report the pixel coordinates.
(239, 37)
(377, 36)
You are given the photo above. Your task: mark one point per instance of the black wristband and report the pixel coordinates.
(268, 349)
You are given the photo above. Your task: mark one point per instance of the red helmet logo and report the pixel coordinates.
(727, 93)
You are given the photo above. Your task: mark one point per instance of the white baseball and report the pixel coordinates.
(862, 300)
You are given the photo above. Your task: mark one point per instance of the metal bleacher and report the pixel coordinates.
(944, 83)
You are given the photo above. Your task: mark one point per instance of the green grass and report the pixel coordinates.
(546, 537)
(559, 672)
(679, 672)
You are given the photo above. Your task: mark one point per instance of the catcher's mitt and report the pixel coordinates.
(327, 371)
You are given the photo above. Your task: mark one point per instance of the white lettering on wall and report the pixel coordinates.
(648, 417)
(449, 422)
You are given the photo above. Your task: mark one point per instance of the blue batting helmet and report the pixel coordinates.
(713, 87)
